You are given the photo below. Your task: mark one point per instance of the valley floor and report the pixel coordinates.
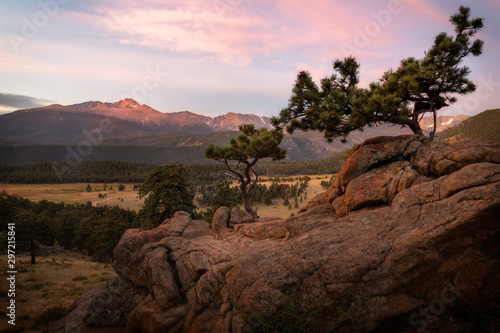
(129, 199)
(77, 193)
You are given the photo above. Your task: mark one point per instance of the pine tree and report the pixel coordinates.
(244, 152)
(166, 191)
(402, 96)
(223, 195)
(268, 199)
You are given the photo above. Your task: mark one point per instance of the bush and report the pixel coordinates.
(79, 278)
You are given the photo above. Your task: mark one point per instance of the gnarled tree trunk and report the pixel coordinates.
(245, 195)
(414, 126)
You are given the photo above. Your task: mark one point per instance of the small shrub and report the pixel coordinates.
(102, 279)
(325, 184)
(79, 278)
(76, 291)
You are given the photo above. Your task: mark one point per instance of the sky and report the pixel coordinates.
(217, 56)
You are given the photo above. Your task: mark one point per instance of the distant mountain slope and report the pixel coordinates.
(184, 148)
(484, 126)
(142, 134)
(53, 126)
(442, 122)
(231, 121)
(68, 155)
(38, 125)
(138, 124)
(300, 145)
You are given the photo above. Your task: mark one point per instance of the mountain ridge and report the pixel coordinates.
(186, 121)
(137, 125)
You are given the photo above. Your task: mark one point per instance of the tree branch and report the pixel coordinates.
(237, 174)
(254, 173)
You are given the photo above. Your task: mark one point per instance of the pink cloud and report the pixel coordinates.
(232, 34)
(31, 65)
(184, 29)
(237, 32)
(429, 11)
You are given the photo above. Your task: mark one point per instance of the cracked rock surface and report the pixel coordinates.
(405, 220)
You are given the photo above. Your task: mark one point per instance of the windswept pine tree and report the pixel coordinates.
(402, 96)
(243, 154)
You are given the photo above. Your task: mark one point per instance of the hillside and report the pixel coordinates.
(126, 172)
(130, 132)
(185, 149)
(53, 126)
(442, 122)
(484, 126)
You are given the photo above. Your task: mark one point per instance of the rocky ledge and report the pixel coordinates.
(408, 232)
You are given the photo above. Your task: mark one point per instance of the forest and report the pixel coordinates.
(94, 231)
(126, 172)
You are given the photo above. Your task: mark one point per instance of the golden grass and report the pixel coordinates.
(48, 285)
(77, 193)
(128, 199)
(277, 209)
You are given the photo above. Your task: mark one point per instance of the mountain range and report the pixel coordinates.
(41, 134)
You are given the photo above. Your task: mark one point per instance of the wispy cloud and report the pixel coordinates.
(11, 102)
(197, 30)
(246, 31)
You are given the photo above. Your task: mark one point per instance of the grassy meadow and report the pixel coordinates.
(277, 209)
(45, 290)
(77, 193)
(128, 199)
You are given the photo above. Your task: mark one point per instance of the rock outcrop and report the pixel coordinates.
(409, 229)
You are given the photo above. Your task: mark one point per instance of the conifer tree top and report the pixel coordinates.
(402, 96)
